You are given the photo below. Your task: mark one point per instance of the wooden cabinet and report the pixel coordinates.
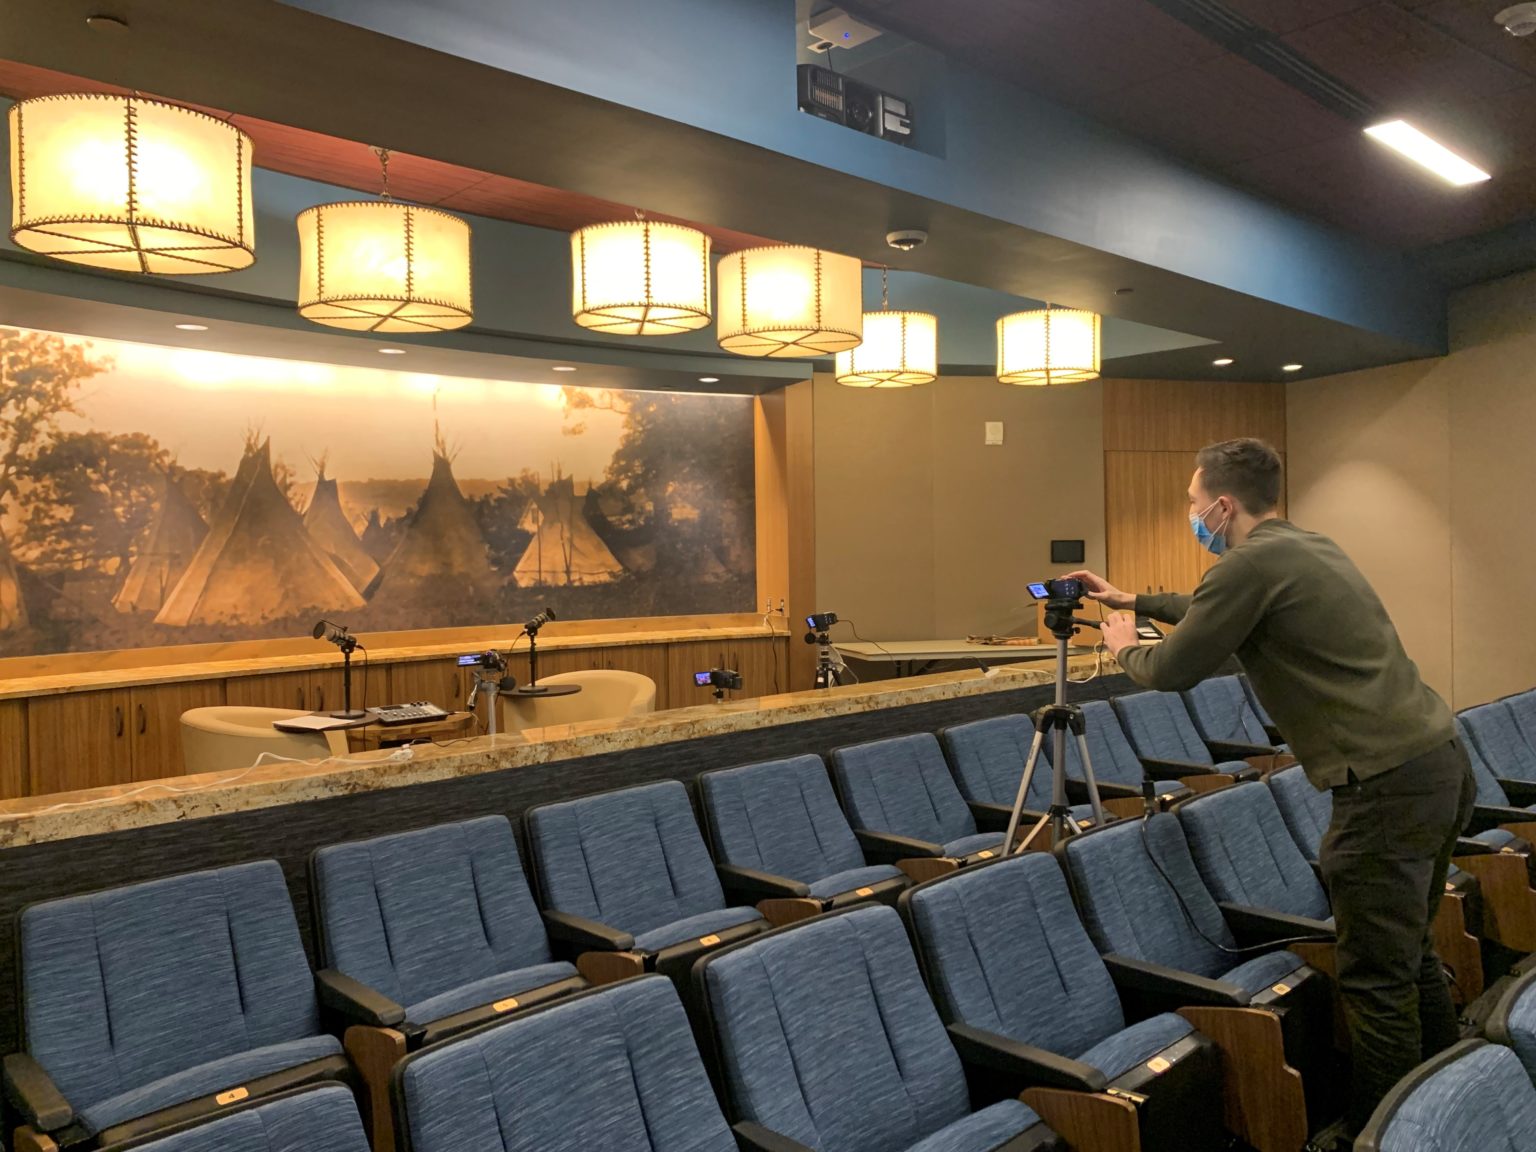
(439, 681)
(272, 690)
(78, 740)
(155, 724)
(13, 748)
(756, 659)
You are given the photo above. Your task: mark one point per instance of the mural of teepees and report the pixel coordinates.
(565, 549)
(173, 539)
(330, 528)
(443, 552)
(257, 562)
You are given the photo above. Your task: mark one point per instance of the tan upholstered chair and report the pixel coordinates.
(606, 694)
(213, 739)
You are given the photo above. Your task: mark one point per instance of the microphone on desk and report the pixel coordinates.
(539, 621)
(336, 633)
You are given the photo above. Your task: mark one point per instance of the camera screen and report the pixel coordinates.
(467, 661)
(702, 679)
(1040, 591)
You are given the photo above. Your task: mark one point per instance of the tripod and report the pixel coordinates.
(1057, 719)
(827, 673)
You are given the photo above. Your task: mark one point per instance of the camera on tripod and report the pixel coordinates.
(720, 678)
(490, 661)
(821, 621)
(1062, 598)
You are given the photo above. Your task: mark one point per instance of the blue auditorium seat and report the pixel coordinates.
(141, 1004)
(778, 833)
(1116, 766)
(610, 1070)
(1222, 714)
(315, 1119)
(1017, 980)
(827, 1040)
(1512, 1022)
(1497, 735)
(1255, 703)
(1472, 1097)
(628, 872)
(987, 758)
(903, 803)
(1305, 810)
(1160, 729)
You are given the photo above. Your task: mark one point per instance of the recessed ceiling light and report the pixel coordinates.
(1403, 137)
(391, 351)
(1124, 291)
(109, 24)
(1292, 367)
(564, 368)
(193, 327)
(709, 379)
(1223, 362)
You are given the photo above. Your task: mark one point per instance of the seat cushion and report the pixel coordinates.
(694, 926)
(1495, 837)
(1480, 1102)
(487, 991)
(207, 1079)
(1253, 976)
(980, 1131)
(321, 1118)
(1118, 1054)
(968, 844)
(841, 882)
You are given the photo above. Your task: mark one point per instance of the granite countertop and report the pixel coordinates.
(67, 815)
(325, 657)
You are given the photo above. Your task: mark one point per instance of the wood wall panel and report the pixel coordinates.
(13, 748)
(771, 464)
(800, 487)
(1186, 415)
(274, 690)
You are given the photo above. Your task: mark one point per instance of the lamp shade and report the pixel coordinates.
(900, 349)
(1048, 346)
(130, 184)
(640, 278)
(789, 301)
(384, 266)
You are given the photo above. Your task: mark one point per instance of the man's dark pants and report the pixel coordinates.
(1384, 859)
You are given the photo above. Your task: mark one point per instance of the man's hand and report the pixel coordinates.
(1119, 632)
(1103, 591)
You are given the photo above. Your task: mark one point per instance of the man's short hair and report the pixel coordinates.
(1248, 470)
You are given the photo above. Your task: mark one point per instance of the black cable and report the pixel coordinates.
(773, 648)
(366, 669)
(854, 628)
(1267, 946)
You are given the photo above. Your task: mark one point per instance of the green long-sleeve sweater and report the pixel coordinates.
(1317, 645)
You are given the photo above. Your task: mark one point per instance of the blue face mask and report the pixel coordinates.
(1213, 542)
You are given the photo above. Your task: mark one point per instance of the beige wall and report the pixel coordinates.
(921, 530)
(1426, 474)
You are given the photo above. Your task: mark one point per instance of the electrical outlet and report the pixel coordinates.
(994, 433)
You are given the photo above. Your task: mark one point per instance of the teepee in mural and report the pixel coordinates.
(257, 562)
(443, 552)
(168, 547)
(13, 609)
(565, 550)
(331, 529)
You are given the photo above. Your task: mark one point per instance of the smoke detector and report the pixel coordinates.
(906, 239)
(833, 28)
(1518, 20)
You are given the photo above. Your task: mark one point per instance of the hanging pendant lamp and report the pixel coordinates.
(900, 349)
(789, 301)
(1048, 346)
(130, 184)
(640, 278)
(384, 266)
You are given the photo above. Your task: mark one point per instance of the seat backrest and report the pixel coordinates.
(615, 1068)
(902, 785)
(123, 987)
(1159, 727)
(316, 1118)
(779, 816)
(633, 859)
(1219, 707)
(1246, 854)
(988, 756)
(827, 1036)
(1489, 790)
(1005, 951)
(1522, 706)
(1500, 740)
(1253, 700)
(419, 913)
(1471, 1098)
(1114, 760)
(606, 694)
(1118, 873)
(218, 738)
(1305, 810)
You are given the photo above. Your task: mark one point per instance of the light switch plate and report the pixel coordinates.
(994, 432)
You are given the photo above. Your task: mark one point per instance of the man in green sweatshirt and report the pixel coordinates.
(1327, 663)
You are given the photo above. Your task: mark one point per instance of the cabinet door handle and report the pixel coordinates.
(320, 698)
(301, 697)
(143, 719)
(118, 713)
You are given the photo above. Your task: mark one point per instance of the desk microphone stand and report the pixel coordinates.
(533, 687)
(347, 644)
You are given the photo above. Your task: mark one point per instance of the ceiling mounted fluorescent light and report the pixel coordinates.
(1403, 137)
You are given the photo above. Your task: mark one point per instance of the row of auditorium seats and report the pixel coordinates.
(149, 1007)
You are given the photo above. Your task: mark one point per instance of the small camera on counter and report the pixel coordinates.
(720, 679)
(1063, 589)
(490, 661)
(821, 621)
